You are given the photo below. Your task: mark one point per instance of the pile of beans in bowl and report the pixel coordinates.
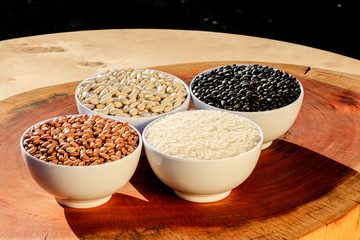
(246, 88)
(132, 92)
(80, 140)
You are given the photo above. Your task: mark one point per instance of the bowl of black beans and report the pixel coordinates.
(270, 97)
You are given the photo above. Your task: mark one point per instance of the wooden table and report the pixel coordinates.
(305, 186)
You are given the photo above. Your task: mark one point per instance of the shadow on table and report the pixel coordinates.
(285, 177)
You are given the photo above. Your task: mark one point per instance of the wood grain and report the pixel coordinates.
(306, 185)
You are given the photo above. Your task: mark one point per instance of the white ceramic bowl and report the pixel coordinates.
(82, 186)
(138, 122)
(202, 180)
(273, 123)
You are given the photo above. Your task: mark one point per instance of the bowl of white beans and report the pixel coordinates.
(137, 96)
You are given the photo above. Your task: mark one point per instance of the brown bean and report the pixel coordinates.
(86, 136)
(103, 150)
(74, 154)
(96, 152)
(61, 136)
(34, 138)
(118, 154)
(114, 157)
(104, 155)
(89, 152)
(51, 146)
(51, 158)
(109, 145)
(36, 142)
(68, 162)
(61, 151)
(100, 160)
(76, 162)
(38, 155)
(110, 151)
(70, 149)
(132, 142)
(119, 140)
(55, 161)
(32, 150)
(92, 145)
(85, 157)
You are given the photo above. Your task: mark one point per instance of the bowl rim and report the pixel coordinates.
(187, 99)
(243, 112)
(140, 144)
(258, 145)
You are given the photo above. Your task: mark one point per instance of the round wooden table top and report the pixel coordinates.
(305, 186)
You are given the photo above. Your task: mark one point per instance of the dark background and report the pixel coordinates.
(327, 25)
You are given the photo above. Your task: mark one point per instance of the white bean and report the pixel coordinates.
(122, 115)
(109, 106)
(144, 114)
(168, 99)
(134, 105)
(115, 111)
(124, 100)
(176, 103)
(94, 101)
(149, 86)
(166, 103)
(168, 108)
(126, 90)
(104, 92)
(84, 94)
(161, 89)
(161, 94)
(126, 109)
(150, 103)
(149, 97)
(87, 88)
(169, 89)
(103, 111)
(141, 106)
(106, 100)
(134, 93)
(90, 106)
(99, 89)
(106, 95)
(120, 94)
(133, 111)
(100, 106)
(118, 104)
(157, 109)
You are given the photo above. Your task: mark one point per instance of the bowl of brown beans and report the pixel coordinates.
(270, 97)
(80, 159)
(137, 96)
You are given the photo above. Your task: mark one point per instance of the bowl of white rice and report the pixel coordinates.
(202, 154)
